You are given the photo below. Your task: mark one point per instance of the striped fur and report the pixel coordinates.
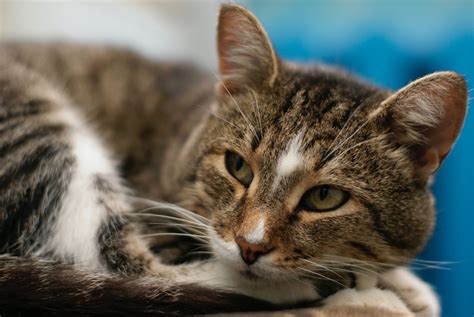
(80, 127)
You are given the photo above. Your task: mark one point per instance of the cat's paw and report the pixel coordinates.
(371, 298)
(418, 295)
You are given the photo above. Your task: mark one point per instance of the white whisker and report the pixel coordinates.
(171, 207)
(321, 266)
(259, 115)
(358, 144)
(238, 107)
(194, 236)
(202, 225)
(322, 276)
(342, 129)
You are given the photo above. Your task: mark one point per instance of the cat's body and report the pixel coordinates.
(74, 120)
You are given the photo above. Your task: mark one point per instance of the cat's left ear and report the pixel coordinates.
(427, 117)
(246, 55)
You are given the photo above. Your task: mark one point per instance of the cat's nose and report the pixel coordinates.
(250, 252)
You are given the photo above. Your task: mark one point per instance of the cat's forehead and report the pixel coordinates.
(310, 107)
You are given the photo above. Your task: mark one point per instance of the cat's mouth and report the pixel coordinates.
(248, 274)
(229, 254)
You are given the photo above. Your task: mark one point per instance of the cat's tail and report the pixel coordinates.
(31, 286)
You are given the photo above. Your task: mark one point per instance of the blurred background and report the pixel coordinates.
(387, 42)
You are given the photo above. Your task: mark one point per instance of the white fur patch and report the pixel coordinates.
(258, 233)
(372, 297)
(225, 273)
(74, 235)
(416, 293)
(290, 160)
(365, 281)
(217, 274)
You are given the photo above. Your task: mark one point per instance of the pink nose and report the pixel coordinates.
(250, 252)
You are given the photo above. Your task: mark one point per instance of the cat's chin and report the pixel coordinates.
(267, 285)
(255, 273)
(248, 274)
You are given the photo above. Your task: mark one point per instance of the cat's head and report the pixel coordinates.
(303, 166)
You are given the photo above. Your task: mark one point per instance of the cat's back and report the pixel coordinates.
(134, 103)
(109, 79)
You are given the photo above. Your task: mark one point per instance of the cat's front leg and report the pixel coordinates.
(217, 275)
(418, 295)
(397, 290)
(371, 299)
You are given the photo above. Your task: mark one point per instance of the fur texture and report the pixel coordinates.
(76, 121)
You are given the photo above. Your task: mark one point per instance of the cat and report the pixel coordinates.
(297, 184)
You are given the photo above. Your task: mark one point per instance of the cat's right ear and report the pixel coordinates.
(427, 117)
(246, 55)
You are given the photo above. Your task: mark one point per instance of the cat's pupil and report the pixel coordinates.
(323, 192)
(239, 163)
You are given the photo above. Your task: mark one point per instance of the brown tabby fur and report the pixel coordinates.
(170, 125)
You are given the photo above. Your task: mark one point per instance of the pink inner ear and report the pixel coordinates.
(440, 138)
(443, 135)
(226, 41)
(235, 41)
(246, 56)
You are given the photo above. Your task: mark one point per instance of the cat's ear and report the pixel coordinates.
(427, 117)
(246, 55)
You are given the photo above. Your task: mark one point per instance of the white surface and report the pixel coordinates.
(182, 30)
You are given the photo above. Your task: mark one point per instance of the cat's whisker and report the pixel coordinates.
(360, 264)
(322, 276)
(422, 266)
(259, 115)
(377, 138)
(433, 262)
(298, 279)
(251, 126)
(213, 113)
(194, 236)
(415, 265)
(321, 266)
(342, 130)
(348, 259)
(345, 140)
(428, 264)
(357, 269)
(182, 227)
(226, 121)
(172, 207)
(204, 226)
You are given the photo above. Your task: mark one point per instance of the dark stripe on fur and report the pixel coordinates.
(31, 287)
(30, 108)
(112, 248)
(385, 234)
(30, 194)
(256, 139)
(287, 103)
(29, 164)
(31, 136)
(363, 248)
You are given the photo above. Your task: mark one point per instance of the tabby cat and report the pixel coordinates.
(284, 184)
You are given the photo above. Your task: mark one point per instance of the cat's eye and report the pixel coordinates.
(238, 168)
(324, 198)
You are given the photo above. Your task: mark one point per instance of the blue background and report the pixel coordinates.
(392, 43)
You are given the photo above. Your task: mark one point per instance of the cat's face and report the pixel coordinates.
(289, 169)
(303, 167)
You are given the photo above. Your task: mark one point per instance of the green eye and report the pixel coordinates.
(324, 198)
(238, 168)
